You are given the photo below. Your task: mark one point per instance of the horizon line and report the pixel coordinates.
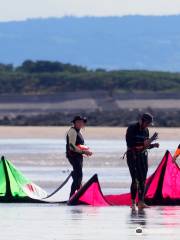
(88, 16)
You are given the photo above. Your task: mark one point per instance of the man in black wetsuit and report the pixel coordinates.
(73, 153)
(138, 141)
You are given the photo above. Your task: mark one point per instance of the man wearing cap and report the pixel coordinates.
(74, 153)
(138, 141)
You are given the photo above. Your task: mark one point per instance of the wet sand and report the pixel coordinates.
(57, 222)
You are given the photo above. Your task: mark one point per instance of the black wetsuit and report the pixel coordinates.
(75, 158)
(137, 160)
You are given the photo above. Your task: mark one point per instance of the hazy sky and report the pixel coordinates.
(22, 9)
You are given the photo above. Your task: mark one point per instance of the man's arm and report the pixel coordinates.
(131, 137)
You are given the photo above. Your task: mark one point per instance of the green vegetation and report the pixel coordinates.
(45, 77)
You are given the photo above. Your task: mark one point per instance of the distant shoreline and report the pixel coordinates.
(109, 115)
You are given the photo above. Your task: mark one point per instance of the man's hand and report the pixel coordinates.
(87, 153)
(154, 137)
(156, 145)
(147, 143)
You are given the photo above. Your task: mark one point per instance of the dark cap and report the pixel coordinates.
(79, 118)
(147, 117)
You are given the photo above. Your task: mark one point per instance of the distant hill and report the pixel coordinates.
(132, 42)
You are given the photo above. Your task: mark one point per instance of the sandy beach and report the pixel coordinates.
(89, 132)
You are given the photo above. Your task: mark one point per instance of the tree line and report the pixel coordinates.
(46, 77)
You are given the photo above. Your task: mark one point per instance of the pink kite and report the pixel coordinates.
(162, 188)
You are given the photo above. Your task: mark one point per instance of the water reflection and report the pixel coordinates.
(138, 217)
(170, 216)
(88, 223)
(82, 212)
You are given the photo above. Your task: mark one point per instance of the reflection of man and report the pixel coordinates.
(177, 153)
(73, 153)
(138, 141)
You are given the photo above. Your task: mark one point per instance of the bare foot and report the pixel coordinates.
(142, 205)
(133, 207)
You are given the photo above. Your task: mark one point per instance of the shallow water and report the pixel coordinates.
(58, 146)
(43, 152)
(55, 222)
(43, 161)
